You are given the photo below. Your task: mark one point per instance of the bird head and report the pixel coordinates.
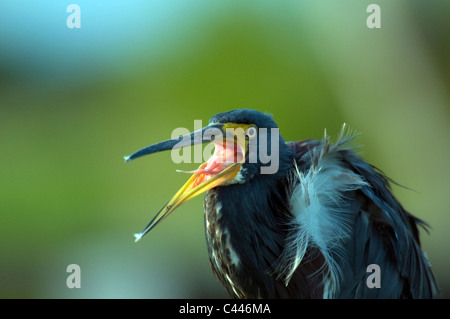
(247, 145)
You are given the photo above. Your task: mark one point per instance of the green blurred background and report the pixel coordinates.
(73, 102)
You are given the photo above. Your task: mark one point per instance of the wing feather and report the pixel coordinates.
(344, 206)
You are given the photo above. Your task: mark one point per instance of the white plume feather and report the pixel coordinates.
(320, 218)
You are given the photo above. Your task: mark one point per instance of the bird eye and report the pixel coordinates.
(251, 132)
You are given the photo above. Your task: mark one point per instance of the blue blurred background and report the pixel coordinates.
(73, 102)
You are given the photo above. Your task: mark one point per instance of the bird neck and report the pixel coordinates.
(244, 231)
(251, 207)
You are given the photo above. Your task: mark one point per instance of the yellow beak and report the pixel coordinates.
(222, 167)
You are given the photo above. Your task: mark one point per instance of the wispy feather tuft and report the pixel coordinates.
(321, 217)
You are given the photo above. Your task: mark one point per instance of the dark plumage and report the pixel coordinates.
(311, 229)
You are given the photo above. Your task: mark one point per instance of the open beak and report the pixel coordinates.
(223, 166)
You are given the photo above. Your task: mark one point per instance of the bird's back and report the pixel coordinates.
(380, 237)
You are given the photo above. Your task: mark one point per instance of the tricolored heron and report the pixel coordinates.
(309, 228)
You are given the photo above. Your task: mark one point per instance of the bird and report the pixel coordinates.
(309, 219)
